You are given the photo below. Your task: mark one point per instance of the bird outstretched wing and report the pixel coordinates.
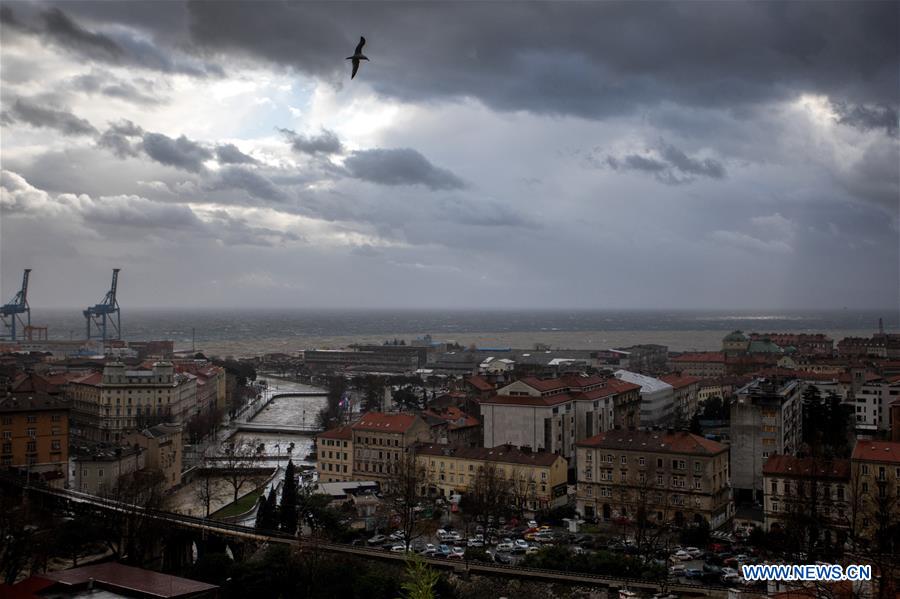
(359, 46)
(355, 67)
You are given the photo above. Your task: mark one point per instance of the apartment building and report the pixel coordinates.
(373, 359)
(553, 414)
(381, 439)
(704, 365)
(164, 450)
(534, 480)
(875, 478)
(807, 488)
(97, 470)
(765, 420)
(334, 455)
(108, 405)
(685, 394)
(670, 477)
(34, 434)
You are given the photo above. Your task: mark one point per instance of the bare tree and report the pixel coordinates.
(205, 490)
(237, 465)
(402, 494)
(489, 494)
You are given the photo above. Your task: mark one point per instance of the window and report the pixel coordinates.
(624, 460)
(774, 487)
(641, 461)
(774, 506)
(697, 466)
(659, 462)
(659, 480)
(54, 444)
(31, 432)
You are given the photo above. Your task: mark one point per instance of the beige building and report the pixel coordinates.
(105, 407)
(163, 445)
(380, 440)
(34, 435)
(553, 414)
(671, 477)
(704, 365)
(875, 481)
(98, 470)
(808, 488)
(537, 480)
(334, 455)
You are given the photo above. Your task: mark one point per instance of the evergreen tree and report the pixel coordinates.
(267, 513)
(287, 513)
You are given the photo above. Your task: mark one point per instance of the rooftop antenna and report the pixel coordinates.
(12, 312)
(106, 312)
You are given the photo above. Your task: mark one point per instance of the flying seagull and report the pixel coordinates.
(357, 56)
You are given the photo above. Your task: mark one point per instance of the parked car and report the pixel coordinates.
(694, 551)
(428, 549)
(475, 543)
(676, 570)
(502, 558)
(505, 546)
(398, 549)
(377, 540)
(457, 553)
(693, 573)
(521, 543)
(532, 550)
(682, 556)
(443, 551)
(532, 524)
(398, 536)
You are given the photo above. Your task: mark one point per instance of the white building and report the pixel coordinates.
(657, 397)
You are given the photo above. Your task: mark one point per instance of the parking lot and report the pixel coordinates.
(716, 564)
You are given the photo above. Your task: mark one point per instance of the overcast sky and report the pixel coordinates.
(594, 155)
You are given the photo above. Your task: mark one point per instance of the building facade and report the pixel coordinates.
(108, 405)
(875, 480)
(535, 480)
(807, 488)
(34, 435)
(164, 450)
(97, 470)
(553, 414)
(657, 397)
(380, 441)
(334, 455)
(672, 477)
(685, 395)
(765, 420)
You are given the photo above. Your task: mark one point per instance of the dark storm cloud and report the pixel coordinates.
(231, 154)
(107, 84)
(585, 59)
(668, 164)
(326, 142)
(63, 30)
(400, 166)
(137, 212)
(182, 153)
(867, 118)
(256, 185)
(117, 47)
(41, 116)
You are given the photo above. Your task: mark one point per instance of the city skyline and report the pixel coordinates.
(528, 155)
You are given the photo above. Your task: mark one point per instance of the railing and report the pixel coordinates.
(312, 543)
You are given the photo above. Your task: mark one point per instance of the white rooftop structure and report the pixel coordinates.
(648, 384)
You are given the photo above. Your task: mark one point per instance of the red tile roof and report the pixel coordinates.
(528, 400)
(788, 465)
(455, 417)
(575, 381)
(379, 421)
(877, 451)
(619, 386)
(94, 378)
(508, 454)
(543, 384)
(677, 442)
(480, 383)
(344, 433)
(678, 381)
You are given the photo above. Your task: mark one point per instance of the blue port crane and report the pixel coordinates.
(12, 312)
(105, 313)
